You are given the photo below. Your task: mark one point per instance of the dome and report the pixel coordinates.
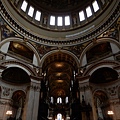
(60, 59)
(53, 25)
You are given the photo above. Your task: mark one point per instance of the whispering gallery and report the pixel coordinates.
(59, 59)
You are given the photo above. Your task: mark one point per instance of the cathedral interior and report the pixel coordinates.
(59, 59)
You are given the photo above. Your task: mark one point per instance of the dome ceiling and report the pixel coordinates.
(59, 5)
(60, 23)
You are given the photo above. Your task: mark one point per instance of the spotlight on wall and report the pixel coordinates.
(9, 112)
(110, 112)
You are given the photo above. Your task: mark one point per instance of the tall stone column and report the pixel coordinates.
(93, 105)
(28, 108)
(119, 31)
(115, 107)
(114, 101)
(32, 101)
(36, 102)
(85, 90)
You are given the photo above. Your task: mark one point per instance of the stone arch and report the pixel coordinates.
(101, 102)
(59, 66)
(18, 98)
(103, 75)
(22, 41)
(98, 41)
(15, 75)
(14, 63)
(95, 66)
(62, 51)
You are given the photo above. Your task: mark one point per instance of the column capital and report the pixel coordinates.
(35, 86)
(85, 87)
(115, 101)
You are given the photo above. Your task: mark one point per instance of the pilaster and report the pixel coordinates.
(86, 91)
(32, 101)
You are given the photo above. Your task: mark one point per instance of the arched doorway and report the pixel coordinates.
(102, 78)
(18, 104)
(59, 71)
(102, 104)
(18, 77)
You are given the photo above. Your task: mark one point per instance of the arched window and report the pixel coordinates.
(66, 99)
(38, 15)
(59, 21)
(18, 103)
(51, 99)
(52, 20)
(59, 100)
(95, 6)
(88, 11)
(24, 6)
(31, 11)
(67, 20)
(102, 104)
(59, 116)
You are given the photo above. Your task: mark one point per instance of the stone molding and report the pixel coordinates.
(7, 62)
(4, 102)
(35, 87)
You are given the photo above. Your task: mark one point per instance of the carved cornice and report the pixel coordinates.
(2, 67)
(5, 103)
(34, 37)
(36, 77)
(35, 87)
(85, 87)
(115, 101)
(82, 78)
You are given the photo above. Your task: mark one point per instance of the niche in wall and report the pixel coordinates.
(15, 75)
(103, 75)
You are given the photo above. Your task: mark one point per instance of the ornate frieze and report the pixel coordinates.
(4, 102)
